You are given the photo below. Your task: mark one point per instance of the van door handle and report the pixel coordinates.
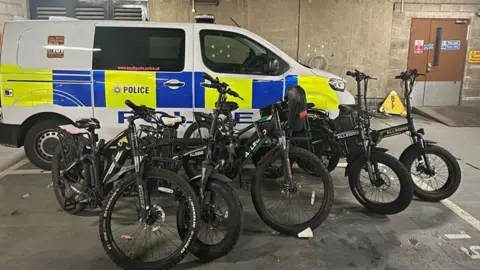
(174, 84)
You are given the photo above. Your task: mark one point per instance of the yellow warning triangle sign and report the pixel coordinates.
(393, 105)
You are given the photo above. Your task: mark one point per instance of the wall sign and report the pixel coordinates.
(428, 46)
(418, 48)
(450, 45)
(55, 41)
(474, 57)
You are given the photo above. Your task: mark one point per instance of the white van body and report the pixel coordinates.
(54, 72)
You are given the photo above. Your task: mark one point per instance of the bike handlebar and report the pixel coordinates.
(412, 73)
(209, 78)
(221, 87)
(359, 76)
(141, 111)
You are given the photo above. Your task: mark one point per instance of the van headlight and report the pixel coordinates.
(337, 84)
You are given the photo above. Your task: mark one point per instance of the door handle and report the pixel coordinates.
(174, 84)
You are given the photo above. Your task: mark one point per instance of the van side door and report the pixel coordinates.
(150, 65)
(240, 61)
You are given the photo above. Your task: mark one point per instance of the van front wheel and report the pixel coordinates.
(40, 142)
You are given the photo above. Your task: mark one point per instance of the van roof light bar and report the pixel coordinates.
(61, 18)
(205, 18)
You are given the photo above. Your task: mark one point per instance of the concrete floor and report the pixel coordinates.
(35, 234)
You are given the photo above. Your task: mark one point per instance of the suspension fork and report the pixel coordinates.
(207, 168)
(373, 175)
(423, 159)
(284, 144)
(143, 192)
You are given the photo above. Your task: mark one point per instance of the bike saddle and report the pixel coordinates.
(228, 106)
(345, 108)
(171, 120)
(310, 105)
(87, 123)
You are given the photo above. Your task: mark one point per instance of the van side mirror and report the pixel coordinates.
(273, 66)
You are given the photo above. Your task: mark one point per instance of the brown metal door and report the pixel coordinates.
(442, 59)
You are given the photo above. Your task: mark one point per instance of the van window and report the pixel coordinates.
(141, 49)
(227, 52)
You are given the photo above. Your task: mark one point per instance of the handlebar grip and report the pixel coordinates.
(349, 73)
(131, 105)
(208, 77)
(398, 77)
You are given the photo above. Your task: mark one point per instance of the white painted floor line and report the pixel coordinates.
(462, 213)
(31, 171)
(458, 236)
(457, 210)
(13, 167)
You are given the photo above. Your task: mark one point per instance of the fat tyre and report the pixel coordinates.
(319, 217)
(454, 174)
(111, 248)
(209, 252)
(57, 189)
(32, 137)
(406, 184)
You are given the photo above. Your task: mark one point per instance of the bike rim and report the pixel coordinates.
(438, 180)
(293, 207)
(159, 230)
(387, 192)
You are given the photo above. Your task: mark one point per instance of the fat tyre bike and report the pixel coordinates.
(94, 179)
(232, 155)
(349, 136)
(221, 215)
(423, 158)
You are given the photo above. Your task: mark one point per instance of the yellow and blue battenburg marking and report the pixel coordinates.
(30, 87)
(73, 88)
(112, 88)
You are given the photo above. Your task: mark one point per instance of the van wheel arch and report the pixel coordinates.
(31, 136)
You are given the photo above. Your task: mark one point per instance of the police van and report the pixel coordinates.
(55, 71)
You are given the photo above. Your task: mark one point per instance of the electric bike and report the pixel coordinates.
(232, 155)
(83, 174)
(423, 158)
(349, 136)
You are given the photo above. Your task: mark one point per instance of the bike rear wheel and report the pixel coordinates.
(162, 185)
(263, 185)
(59, 183)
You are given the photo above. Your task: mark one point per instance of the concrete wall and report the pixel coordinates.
(370, 35)
(11, 8)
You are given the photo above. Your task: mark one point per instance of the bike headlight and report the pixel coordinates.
(337, 84)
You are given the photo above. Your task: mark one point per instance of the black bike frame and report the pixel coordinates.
(253, 144)
(91, 161)
(415, 135)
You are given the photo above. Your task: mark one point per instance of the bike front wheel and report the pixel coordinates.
(314, 191)
(221, 220)
(444, 179)
(154, 243)
(394, 191)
